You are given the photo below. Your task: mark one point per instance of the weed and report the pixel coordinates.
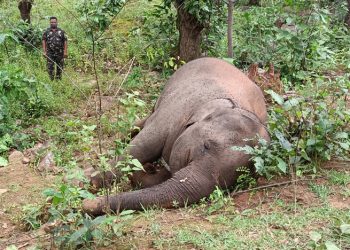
(321, 191)
(338, 178)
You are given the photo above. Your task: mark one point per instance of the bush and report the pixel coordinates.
(305, 130)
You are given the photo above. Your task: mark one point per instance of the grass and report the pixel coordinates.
(214, 224)
(275, 223)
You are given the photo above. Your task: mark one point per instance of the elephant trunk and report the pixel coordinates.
(187, 186)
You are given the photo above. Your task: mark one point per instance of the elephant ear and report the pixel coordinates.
(210, 108)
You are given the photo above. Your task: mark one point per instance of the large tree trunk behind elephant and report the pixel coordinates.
(190, 30)
(25, 7)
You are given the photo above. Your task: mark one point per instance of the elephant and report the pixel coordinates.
(206, 107)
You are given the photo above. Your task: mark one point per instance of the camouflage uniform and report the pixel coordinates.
(55, 48)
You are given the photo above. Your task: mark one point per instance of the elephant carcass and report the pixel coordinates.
(207, 107)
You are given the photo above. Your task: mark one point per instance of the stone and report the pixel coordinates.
(2, 191)
(47, 164)
(16, 157)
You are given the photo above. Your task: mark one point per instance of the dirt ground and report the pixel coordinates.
(20, 185)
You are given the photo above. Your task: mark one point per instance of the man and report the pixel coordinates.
(55, 49)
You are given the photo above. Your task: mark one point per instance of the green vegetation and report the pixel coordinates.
(133, 46)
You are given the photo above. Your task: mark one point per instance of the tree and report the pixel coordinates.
(229, 29)
(193, 16)
(254, 2)
(347, 18)
(190, 29)
(25, 7)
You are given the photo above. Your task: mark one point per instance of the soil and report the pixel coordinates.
(20, 185)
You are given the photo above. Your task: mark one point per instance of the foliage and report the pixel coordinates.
(158, 24)
(218, 200)
(21, 102)
(28, 34)
(125, 124)
(70, 136)
(212, 15)
(296, 39)
(20, 97)
(98, 15)
(133, 106)
(305, 131)
(159, 34)
(69, 227)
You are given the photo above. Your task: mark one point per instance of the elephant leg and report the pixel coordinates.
(150, 177)
(187, 186)
(146, 147)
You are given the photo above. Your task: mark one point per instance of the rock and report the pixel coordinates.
(16, 157)
(37, 150)
(2, 191)
(50, 226)
(25, 160)
(47, 164)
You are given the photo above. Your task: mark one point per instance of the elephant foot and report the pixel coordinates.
(96, 206)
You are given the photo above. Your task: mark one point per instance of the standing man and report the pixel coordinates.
(55, 49)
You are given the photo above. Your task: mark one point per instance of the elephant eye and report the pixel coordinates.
(206, 145)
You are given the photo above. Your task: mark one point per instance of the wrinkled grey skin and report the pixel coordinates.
(206, 107)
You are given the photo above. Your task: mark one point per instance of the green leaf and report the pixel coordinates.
(276, 97)
(315, 236)
(331, 246)
(3, 162)
(259, 164)
(99, 220)
(78, 235)
(283, 141)
(49, 192)
(342, 135)
(345, 229)
(311, 142)
(291, 103)
(344, 145)
(137, 164)
(3, 37)
(282, 165)
(12, 247)
(126, 169)
(127, 212)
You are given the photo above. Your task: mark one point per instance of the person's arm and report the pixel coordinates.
(65, 50)
(65, 53)
(44, 44)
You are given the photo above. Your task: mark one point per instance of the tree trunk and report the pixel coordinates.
(24, 7)
(254, 2)
(347, 18)
(229, 29)
(190, 29)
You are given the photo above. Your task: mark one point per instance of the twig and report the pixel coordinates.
(268, 186)
(118, 73)
(126, 76)
(99, 105)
